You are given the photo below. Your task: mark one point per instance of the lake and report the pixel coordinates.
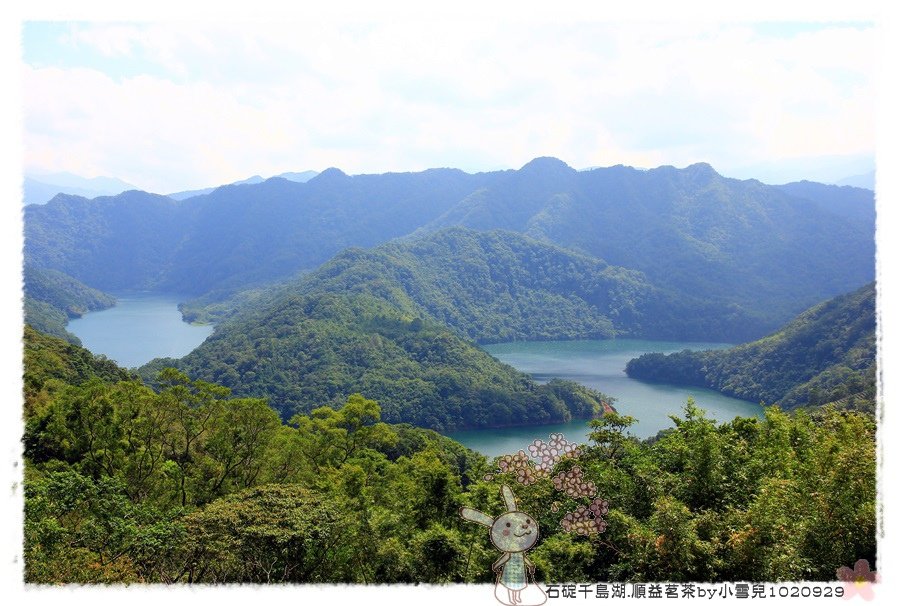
(141, 326)
(601, 365)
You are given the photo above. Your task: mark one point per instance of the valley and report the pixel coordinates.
(373, 343)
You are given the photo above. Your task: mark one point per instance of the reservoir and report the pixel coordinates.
(141, 326)
(601, 366)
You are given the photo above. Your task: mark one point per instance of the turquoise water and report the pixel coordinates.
(601, 365)
(141, 326)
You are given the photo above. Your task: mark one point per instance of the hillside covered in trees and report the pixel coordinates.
(296, 443)
(191, 485)
(52, 298)
(757, 251)
(826, 355)
(397, 323)
(502, 286)
(303, 351)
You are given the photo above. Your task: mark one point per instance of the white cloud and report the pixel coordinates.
(233, 100)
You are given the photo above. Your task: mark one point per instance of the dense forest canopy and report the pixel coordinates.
(502, 286)
(304, 350)
(296, 444)
(758, 251)
(191, 485)
(52, 298)
(826, 355)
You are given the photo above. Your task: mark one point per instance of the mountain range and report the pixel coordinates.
(397, 323)
(40, 188)
(298, 177)
(757, 252)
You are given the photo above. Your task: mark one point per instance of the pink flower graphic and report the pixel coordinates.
(858, 580)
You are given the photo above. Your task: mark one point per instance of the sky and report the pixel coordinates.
(169, 105)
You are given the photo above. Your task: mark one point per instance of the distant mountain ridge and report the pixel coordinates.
(689, 229)
(865, 180)
(755, 249)
(41, 188)
(298, 177)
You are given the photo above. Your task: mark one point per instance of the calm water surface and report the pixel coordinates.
(141, 326)
(601, 365)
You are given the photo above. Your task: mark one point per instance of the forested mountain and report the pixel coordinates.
(51, 362)
(235, 236)
(854, 203)
(302, 351)
(826, 355)
(190, 485)
(394, 323)
(110, 243)
(299, 177)
(52, 298)
(63, 292)
(691, 230)
(746, 247)
(38, 189)
(502, 286)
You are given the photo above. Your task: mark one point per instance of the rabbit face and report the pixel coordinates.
(514, 531)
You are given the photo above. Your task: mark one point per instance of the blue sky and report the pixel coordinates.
(170, 106)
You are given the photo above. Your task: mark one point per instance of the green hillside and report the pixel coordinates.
(503, 286)
(50, 361)
(52, 298)
(306, 350)
(189, 485)
(826, 355)
(761, 252)
(64, 292)
(396, 323)
(740, 243)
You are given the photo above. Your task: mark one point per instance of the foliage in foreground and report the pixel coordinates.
(189, 485)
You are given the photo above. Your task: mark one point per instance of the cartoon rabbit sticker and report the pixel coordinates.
(513, 533)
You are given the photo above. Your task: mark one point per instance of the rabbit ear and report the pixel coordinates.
(509, 498)
(473, 515)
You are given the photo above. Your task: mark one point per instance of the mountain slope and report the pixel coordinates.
(393, 324)
(64, 292)
(503, 286)
(827, 354)
(49, 358)
(112, 243)
(52, 298)
(39, 189)
(690, 230)
(854, 203)
(302, 352)
(741, 245)
(250, 234)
